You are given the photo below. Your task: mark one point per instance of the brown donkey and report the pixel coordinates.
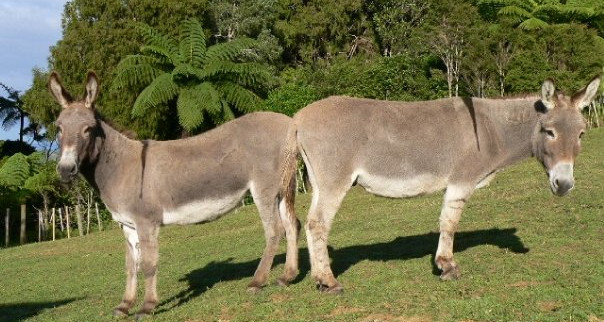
(147, 183)
(398, 149)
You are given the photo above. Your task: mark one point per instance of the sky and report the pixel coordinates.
(27, 30)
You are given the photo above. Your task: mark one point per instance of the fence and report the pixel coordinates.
(53, 224)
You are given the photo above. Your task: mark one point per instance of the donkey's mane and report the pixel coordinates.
(126, 132)
(515, 96)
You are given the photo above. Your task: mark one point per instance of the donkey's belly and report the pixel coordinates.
(401, 187)
(202, 210)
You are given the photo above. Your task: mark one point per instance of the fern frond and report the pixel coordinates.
(153, 38)
(14, 172)
(162, 55)
(160, 91)
(517, 13)
(533, 24)
(135, 70)
(227, 112)
(192, 42)
(189, 107)
(184, 73)
(209, 98)
(240, 97)
(227, 51)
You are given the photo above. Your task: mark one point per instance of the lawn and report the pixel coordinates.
(525, 255)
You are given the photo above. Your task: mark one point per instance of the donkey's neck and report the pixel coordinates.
(516, 120)
(116, 159)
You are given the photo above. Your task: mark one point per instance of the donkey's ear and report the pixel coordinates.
(92, 90)
(548, 90)
(586, 95)
(60, 94)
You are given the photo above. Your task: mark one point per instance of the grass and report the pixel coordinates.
(525, 255)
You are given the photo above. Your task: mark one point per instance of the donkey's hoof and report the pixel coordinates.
(254, 289)
(120, 313)
(452, 273)
(282, 281)
(336, 289)
(141, 315)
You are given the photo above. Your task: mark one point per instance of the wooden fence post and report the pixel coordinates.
(98, 217)
(88, 219)
(61, 219)
(67, 223)
(53, 223)
(79, 219)
(6, 227)
(22, 236)
(39, 226)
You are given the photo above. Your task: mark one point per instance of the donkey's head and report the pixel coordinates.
(557, 137)
(78, 126)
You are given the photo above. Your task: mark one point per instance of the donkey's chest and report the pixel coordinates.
(401, 187)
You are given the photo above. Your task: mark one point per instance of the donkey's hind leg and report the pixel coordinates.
(325, 204)
(454, 201)
(132, 264)
(292, 229)
(269, 213)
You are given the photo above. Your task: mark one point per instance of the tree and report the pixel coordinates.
(447, 36)
(204, 81)
(394, 21)
(11, 110)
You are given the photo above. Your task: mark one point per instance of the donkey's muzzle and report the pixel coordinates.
(561, 179)
(67, 171)
(67, 167)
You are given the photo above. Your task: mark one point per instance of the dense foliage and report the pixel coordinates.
(404, 50)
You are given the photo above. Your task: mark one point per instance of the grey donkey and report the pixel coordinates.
(146, 184)
(399, 150)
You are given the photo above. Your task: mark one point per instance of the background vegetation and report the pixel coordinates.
(525, 255)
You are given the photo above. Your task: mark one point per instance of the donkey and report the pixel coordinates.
(398, 149)
(145, 184)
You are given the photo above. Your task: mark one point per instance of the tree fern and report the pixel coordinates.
(207, 81)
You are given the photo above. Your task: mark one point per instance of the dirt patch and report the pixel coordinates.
(549, 306)
(523, 284)
(343, 310)
(278, 298)
(389, 317)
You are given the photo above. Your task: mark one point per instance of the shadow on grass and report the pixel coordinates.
(25, 310)
(400, 248)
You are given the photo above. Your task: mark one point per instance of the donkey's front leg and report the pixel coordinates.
(148, 234)
(455, 199)
(132, 264)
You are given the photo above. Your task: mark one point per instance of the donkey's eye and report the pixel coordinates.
(581, 135)
(550, 133)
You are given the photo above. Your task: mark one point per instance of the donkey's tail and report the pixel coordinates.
(289, 164)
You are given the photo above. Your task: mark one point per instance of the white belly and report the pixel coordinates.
(401, 187)
(202, 210)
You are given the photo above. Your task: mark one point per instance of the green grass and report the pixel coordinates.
(525, 255)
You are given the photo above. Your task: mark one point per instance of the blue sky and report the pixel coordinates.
(27, 29)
